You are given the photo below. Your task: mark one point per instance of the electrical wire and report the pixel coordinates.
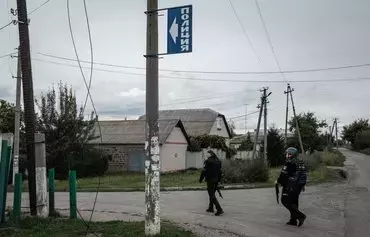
(215, 80)
(244, 30)
(91, 74)
(88, 94)
(3, 27)
(220, 72)
(91, 52)
(37, 8)
(242, 116)
(269, 39)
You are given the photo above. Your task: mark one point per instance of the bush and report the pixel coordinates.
(245, 171)
(313, 161)
(362, 140)
(334, 158)
(87, 162)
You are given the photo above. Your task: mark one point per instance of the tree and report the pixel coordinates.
(275, 148)
(309, 126)
(350, 131)
(7, 115)
(231, 125)
(67, 133)
(246, 144)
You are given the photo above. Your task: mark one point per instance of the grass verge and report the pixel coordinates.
(34, 227)
(320, 175)
(126, 182)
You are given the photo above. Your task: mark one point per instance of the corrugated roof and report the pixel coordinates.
(131, 131)
(196, 121)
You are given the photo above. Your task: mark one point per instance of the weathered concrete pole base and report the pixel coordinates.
(152, 190)
(41, 181)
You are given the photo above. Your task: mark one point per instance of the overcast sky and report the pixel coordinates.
(305, 34)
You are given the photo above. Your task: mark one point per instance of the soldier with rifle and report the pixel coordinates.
(293, 178)
(212, 174)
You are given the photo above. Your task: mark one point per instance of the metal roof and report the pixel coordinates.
(196, 121)
(132, 131)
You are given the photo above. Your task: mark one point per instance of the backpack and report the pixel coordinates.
(301, 174)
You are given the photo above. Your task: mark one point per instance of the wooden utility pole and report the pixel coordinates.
(258, 127)
(28, 99)
(265, 123)
(290, 90)
(152, 162)
(17, 118)
(286, 116)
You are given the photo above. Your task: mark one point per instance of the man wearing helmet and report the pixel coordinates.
(212, 173)
(293, 179)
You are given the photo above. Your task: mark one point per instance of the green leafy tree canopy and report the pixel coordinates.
(350, 131)
(309, 126)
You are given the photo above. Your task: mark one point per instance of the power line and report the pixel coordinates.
(3, 27)
(269, 39)
(221, 72)
(88, 92)
(6, 55)
(244, 30)
(91, 52)
(214, 80)
(37, 8)
(242, 116)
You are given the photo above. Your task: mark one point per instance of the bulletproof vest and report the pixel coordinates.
(301, 174)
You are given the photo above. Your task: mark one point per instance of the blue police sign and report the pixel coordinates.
(179, 30)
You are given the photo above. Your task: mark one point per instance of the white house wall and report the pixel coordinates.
(222, 132)
(173, 152)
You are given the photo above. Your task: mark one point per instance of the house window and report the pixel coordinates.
(219, 124)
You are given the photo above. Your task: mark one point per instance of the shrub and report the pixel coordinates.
(334, 158)
(87, 162)
(362, 140)
(313, 161)
(245, 171)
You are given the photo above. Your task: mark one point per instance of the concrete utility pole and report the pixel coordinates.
(17, 118)
(336, 132)
(28, 99)
(258, 127)
(245, 122)
(290, 90)
(41, 181)
(286, 116)
(152, 163)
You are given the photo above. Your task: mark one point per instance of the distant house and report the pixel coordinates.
(198, 121)
(124, 141)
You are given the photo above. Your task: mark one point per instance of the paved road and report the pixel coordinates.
(332, 210)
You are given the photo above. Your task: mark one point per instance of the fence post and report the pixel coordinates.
(51, 177)
(4, 173)
(17, 196)
(72, 194)
(41, 181)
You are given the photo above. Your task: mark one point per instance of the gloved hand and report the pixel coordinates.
(303, 189)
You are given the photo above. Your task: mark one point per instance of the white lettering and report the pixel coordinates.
(185, 41)
(185, 35)
(185, 23)
(184, 48)
(184, 17)
(184, 29)
(185, 10)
